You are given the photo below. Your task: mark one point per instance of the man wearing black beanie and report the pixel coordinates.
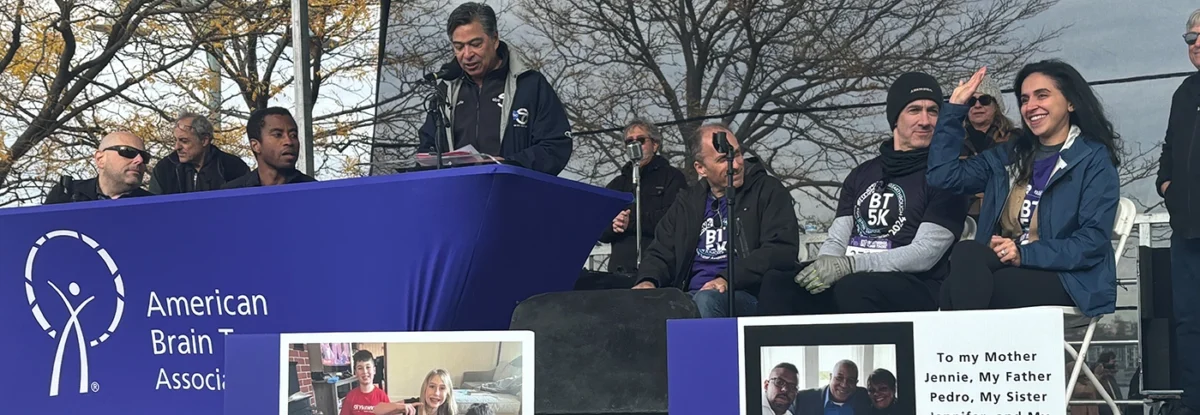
(888, 247)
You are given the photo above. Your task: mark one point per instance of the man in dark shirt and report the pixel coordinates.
(889, 245)
(275, 144)
(842, 396)
(661, 182)
(503, 107)
(120, 165)
(1179, 186)
(690, 245)
(196, 164)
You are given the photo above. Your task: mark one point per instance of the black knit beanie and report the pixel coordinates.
(910, 87)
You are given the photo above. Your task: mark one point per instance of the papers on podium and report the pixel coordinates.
(462, 156)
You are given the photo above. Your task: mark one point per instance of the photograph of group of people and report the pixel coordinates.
(384, 377)
(835, 379)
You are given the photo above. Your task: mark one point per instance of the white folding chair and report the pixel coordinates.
(969, 228)
(1074, 318)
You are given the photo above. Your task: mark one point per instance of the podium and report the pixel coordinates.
(122, 306)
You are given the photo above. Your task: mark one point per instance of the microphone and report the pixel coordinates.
(721, 143)
(449, 72)
(635, 164)
(635, 152)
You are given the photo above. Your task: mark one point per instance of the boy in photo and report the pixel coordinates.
(363, 399)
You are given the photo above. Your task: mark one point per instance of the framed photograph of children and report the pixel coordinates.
(409, 373)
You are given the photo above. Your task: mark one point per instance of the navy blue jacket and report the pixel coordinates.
(1075, 216)
(534, 133)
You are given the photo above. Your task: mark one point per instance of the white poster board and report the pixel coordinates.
(998, 362)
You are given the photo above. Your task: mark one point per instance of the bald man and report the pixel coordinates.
(689, 247)
(120, 161)
(842, 396)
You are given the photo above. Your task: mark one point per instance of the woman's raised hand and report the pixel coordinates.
(966, 90)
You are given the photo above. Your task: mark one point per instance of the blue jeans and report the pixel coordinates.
(713, 303)
(1185, 283)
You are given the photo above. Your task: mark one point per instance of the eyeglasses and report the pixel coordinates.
(783, 384)
(641, 139)
(130, 152)
(984, 100)
(1190, 38)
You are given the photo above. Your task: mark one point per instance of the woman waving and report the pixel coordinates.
(1045, 239)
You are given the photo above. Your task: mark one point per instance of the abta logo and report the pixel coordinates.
(74, 303)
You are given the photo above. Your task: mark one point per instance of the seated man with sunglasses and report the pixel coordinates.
(120, 163)
(661, 183)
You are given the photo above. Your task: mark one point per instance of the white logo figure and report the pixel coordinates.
(521, 116)
(72, 324)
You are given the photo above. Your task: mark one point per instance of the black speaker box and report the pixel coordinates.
(602, 351)
(1157, 319)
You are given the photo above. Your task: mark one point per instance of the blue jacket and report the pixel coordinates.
(534, 131)
(1075, 216)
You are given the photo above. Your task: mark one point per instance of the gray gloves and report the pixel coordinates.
(822, 273)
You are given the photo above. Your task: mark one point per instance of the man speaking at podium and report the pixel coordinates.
(506, 108)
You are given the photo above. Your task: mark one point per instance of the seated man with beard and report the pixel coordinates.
(779, 389)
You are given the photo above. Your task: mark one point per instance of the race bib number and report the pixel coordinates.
(1024, 239)
(864, 245)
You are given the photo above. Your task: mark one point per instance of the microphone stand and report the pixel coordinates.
(636, 165)
(721, 144)
(438, 101)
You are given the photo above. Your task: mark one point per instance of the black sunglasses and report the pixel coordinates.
(130, 152)
(641, 139)
(1190, 37)
(984, 100)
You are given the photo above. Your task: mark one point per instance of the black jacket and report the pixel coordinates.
(251, 179)
(661, 183)
(812, 402)
(1180, 160)
(68, 190)
(767, 236)
(535, 132)
(170, 176)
